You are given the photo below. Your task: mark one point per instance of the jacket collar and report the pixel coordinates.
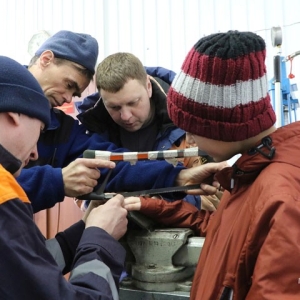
(8, 161)
(274, 148)
(54, 122)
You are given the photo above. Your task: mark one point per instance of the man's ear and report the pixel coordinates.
(14, 118)
(46, 58)
(149, 86)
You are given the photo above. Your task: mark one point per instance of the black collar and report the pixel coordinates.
(8, 161)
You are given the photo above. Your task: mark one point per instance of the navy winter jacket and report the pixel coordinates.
(33, 268)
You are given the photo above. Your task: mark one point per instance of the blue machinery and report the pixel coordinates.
(288, 103)
(280, 88)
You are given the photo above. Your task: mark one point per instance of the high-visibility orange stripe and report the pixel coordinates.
(10, 188)
(143, 155)
(117, 157)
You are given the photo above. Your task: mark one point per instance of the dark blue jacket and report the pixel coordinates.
(64, 141)
(28, 267)
(164, 74)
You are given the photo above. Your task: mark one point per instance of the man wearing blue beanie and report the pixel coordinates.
(22, 102)
(27, 265)
(64, 66)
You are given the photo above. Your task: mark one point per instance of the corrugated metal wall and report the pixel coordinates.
(159, 32)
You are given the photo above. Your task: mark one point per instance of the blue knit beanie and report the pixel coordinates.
(20, 92)
(77, 47)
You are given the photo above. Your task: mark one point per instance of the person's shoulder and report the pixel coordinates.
(87, 102)
(67, 124)
(60, 113)
(64, 118)
(164, 74)
(10, 188)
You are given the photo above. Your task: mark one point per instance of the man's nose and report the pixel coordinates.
(34, 154)
(68, 97)
(125, 114)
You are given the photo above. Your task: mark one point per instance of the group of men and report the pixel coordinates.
(218, 101)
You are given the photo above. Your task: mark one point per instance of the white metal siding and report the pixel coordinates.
(159, 32)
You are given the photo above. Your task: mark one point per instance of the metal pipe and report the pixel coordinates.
(276, 38)
(277, 93)
(292, 55)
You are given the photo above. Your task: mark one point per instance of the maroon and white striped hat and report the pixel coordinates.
(221, 92)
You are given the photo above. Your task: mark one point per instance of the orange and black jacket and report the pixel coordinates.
(33, 268)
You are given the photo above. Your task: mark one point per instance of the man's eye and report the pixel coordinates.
(133, 103)
(70, 86)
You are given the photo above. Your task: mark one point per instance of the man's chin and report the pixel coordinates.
(131, 128)
(53, 102)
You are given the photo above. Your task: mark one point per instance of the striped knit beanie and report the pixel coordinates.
(221, 92)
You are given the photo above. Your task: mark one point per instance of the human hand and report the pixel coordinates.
(203, 174)
(93, 204)
(111, 217)
(132, 203)
(80, 176)
(209, 202)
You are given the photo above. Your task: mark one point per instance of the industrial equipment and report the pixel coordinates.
(280, 89)
(160, 261)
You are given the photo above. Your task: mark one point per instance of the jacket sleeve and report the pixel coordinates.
(28, 270)
(176, 214)
(43, 185)
(63, 246)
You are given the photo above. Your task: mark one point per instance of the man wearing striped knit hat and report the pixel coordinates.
(220, 97)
